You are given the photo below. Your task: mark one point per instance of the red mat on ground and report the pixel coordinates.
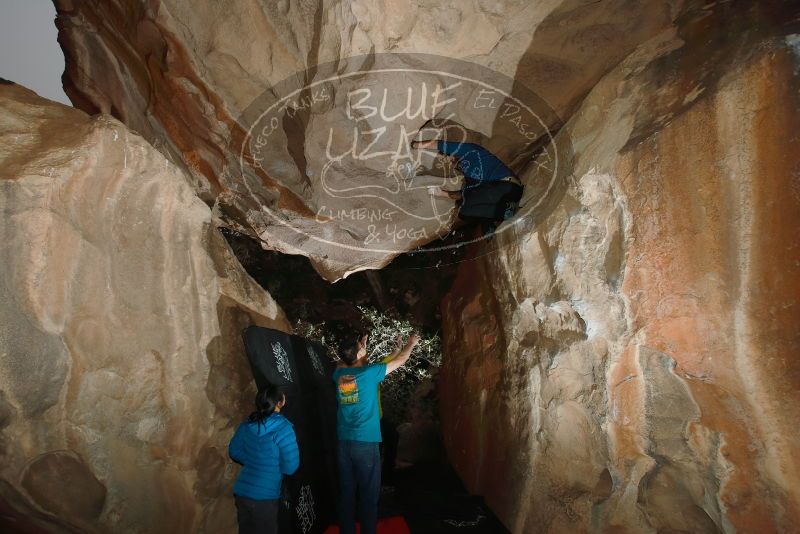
(386, 525)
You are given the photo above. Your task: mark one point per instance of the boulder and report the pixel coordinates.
(627, 363)
(617, 358)
(122, 371)
(276, 109)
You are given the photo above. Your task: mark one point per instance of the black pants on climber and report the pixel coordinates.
(491, 191)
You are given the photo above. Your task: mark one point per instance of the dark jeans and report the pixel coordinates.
(359, 471)
(257, 517)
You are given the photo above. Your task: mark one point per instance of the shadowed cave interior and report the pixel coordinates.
(403, 296)
(615, 352)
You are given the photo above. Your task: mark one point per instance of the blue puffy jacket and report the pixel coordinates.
(267, 450)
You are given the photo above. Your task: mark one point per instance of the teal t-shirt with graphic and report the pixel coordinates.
(358, 416)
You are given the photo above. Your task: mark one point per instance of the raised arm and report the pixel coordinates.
(402, 356)
(432, 144)
(450, 148)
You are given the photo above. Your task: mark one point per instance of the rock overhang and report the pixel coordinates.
(196, 91)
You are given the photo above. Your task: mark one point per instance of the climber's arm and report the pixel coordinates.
(432, 144)
(450, 148)
(403, 355)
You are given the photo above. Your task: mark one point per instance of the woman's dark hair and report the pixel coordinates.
(349, 346)
(266, 401)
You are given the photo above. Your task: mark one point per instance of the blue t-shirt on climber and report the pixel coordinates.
(357, 396)
(477, 163)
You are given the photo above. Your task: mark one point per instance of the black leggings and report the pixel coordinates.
(257, 517)
(490, 201)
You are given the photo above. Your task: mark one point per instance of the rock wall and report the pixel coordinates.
(625, 360)
(122, 372)
(186, 75)
(629, 364)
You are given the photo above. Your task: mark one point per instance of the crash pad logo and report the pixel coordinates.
(348, 389)
(305, 509)
(282, 361)
(315, 361)
(336, 139)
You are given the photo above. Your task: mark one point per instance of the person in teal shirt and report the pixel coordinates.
(358, 428)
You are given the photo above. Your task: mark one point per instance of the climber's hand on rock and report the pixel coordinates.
(413, 339)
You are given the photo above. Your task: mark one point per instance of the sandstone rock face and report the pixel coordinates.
(194, 77)
(629, 364)
(625, 361)
(122, 373)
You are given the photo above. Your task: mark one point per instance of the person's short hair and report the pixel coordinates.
(348, 347)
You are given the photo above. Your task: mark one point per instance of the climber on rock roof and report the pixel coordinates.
(491, 191)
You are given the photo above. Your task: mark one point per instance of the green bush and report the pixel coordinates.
(398, 388)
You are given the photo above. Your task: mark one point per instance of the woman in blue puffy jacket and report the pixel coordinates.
(266, 446)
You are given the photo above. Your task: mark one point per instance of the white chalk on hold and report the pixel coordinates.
(433, 190)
